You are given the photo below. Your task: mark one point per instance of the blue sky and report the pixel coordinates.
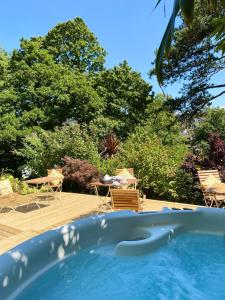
(127, 29)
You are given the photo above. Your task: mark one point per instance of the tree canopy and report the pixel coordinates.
(193, 59)
(58, 100)
(188, 11)
(126, 96)
(74, 45)
(212, 121)
(60, 78)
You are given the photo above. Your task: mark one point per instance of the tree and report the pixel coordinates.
(212, 121)
(162, 122)
(48, 93)
(10, 127)
(42, 149)
(194, 60)
(155, 149)
(126, 97)
(187, 10)
(74, 45)
(38, 90)
(4, 64)
(50, 72)
(216, 153)
(11, 133)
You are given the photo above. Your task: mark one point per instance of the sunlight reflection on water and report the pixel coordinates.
(187, 268)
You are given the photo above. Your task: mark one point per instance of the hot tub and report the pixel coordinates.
(124, 255)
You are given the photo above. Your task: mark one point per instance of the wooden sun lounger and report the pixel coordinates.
(211, 198)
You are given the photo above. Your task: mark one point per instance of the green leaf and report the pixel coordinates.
(166, 41)
(187, 9)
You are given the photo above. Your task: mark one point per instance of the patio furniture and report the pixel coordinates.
(125, 199)
(40, 181)
(55, 186)
(130, 170)
(127, 173)
(43, 181)
(104, 201)
(98, 184)
(212, 188)
(57, 172)
(6, 192)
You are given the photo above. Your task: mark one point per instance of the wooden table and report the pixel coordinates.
(41, 180)
(129, 182)
(47, 180)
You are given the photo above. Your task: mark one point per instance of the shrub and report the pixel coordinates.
(154, 162)
(109, 166)
(25, 189)
(213, 120)
(215, 157)
(78, 174)
(211, 156)
(186, 188)
(17, 185)
(110, 146)
(43, 149)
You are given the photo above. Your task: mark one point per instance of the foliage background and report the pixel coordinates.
(57, 99)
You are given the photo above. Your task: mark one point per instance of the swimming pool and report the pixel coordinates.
(125, 255)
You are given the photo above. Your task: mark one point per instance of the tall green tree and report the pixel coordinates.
(4, 64)
(187, 9)
(126, 97)
(72, 44)
(162, 122)
(49, 93)
(193, 60)
(43, 149)
(10, 129)
(37, 89)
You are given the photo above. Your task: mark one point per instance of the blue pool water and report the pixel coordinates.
(191, 266)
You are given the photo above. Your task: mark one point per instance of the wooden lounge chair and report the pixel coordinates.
(207, 179)
(125, 199)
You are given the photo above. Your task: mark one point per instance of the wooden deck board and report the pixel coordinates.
(16, 227)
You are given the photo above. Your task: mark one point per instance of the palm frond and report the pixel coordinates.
(187, 9)
(166, 41)
(219, 35)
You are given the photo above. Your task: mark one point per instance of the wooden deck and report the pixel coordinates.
(16, 227)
